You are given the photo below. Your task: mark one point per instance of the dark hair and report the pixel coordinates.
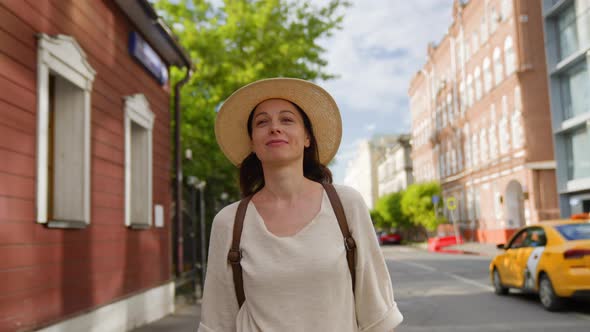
(251, 172)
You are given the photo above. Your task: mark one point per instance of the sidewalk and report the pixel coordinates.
(185, 318)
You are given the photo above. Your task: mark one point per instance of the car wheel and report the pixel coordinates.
(498, 287)
(549, 299)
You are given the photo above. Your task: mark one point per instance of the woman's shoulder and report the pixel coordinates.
(348, 195)
(225, 217)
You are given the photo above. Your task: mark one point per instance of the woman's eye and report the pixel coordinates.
(287, 120)
(260, 122)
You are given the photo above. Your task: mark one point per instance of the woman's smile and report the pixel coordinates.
(276, 143)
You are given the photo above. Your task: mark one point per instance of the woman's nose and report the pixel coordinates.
(274, 128)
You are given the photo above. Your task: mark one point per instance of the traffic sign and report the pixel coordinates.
(451, 203)
(435, 199)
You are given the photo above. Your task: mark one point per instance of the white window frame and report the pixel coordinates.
(510, 56)
(63, 56)
(467, 146)
(462, 97)
(498, 66)
(475, 149)
(469, 91)
(487, 75)
(477, 79)
(516, 129)
(483, 143)
(483, 28)
(137, 110)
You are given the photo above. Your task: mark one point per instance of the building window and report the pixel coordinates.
(483, 142)
(509, 55)
(470, 212)
(462, 97)
(517, 98)
(578, 158)
(516, 129)
(139, 122)
(506, 9)
(467, 146)
(444, 115)
(477, 204)
(474, 41)
(487, 75)
(575, 90)
(454, 160)
(492, 134)
(64, 83)
(477, 76)
(567, 32)
(504, 139)
(498, 68)
(494, 18)
(467, 50)
(483, 29)
(469, 90)
(474, 150)
(450, 107)
(493, 142)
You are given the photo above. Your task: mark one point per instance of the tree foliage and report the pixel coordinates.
(388, 207)
(232, 45)
(417, 204)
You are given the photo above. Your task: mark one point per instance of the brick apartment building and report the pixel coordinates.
(85, 164)
(481, 123)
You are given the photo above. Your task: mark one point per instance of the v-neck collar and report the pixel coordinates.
(325, 202)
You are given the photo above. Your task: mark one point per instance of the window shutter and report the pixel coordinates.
(69, 153)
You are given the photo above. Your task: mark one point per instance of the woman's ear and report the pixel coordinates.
(307, 142)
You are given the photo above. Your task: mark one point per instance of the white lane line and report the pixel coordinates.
(450, 275)
(469, 281)
(581, 316)
(420, 266)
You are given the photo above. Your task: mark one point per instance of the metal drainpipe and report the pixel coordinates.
(178, 166)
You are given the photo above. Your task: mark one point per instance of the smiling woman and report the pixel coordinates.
(283, 258)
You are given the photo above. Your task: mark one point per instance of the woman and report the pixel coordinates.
(281, 133)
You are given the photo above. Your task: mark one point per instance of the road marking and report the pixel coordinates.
(581, 316)
(420, 266)
(450, 275)
(469, 281)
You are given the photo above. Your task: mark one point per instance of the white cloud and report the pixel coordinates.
(381, 46)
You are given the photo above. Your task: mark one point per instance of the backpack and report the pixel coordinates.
(235, 254)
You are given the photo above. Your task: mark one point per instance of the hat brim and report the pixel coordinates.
(232, 119)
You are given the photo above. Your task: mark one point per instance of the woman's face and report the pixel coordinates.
(278, 132)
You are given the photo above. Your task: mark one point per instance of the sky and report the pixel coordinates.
(381, 46)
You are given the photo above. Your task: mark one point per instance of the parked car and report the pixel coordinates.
(389, 237)
(550, 258)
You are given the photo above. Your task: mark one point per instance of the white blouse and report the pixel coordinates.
(301, 282)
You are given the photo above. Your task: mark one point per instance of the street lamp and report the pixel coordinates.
(201, 186)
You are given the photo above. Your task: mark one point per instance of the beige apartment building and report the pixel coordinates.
(481, 123)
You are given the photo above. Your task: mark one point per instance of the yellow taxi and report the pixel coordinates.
(551, 258)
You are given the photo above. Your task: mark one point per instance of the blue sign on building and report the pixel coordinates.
(143, 52)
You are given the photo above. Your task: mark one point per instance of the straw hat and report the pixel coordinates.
(232, 119)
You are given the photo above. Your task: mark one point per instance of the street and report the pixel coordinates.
(452, 292)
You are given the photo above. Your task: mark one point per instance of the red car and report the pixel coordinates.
(389, 238)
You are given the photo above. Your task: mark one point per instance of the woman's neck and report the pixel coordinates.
(285, 183)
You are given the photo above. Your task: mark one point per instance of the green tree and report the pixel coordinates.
(232, 45)
(390, 210)
(417, 204)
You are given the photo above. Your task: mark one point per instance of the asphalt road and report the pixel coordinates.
(450, 292)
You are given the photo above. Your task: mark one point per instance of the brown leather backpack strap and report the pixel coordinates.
(349, 242)
(235, 254)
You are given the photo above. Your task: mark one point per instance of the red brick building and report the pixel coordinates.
(85, 164)
(481, 120)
